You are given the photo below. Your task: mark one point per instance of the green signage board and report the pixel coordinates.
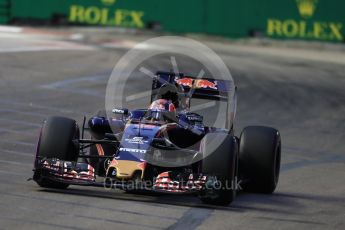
(307, 19)
(5, 16)
(287, 19)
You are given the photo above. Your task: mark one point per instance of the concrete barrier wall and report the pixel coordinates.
(286, 19)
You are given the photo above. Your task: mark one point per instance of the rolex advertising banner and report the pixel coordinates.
(104, 12)
(307, 19)
(322, 20)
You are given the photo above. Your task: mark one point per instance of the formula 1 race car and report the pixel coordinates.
(165, 148)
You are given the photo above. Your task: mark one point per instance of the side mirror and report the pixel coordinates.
(123, 112)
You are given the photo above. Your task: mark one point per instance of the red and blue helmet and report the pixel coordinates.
(162, 105)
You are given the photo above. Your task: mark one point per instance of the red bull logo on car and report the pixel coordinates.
(205, 84)
(198, 83)
(187, 81)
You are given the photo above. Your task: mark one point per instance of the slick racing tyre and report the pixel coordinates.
(221, 162)
(56, 141)
(259, 163)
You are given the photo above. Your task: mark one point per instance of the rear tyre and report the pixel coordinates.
(56, 141)
(220, 159)
(260, 153)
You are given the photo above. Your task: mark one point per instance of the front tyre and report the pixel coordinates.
(56, 141)
(220, 159)
(259, 163)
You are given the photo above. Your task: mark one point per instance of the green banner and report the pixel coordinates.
(289, 19)
(5, 12)
(308, 19)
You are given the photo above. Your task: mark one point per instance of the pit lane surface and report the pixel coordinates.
(303, 98)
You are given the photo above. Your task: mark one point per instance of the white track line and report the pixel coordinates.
(15, 163)
(17, 132)
(21, 122)
(24, 113)
(65, 85)
(23, 154)
(18, 143)
(13, 173)
(38, 49)
(31, 105)
(10, 29)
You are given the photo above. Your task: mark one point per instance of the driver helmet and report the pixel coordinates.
(169, 92)
(162, 105)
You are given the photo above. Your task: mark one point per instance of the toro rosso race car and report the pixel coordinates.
(164, 148)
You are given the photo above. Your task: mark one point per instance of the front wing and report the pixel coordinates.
(84, 174)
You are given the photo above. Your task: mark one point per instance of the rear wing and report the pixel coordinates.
(203, 88)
